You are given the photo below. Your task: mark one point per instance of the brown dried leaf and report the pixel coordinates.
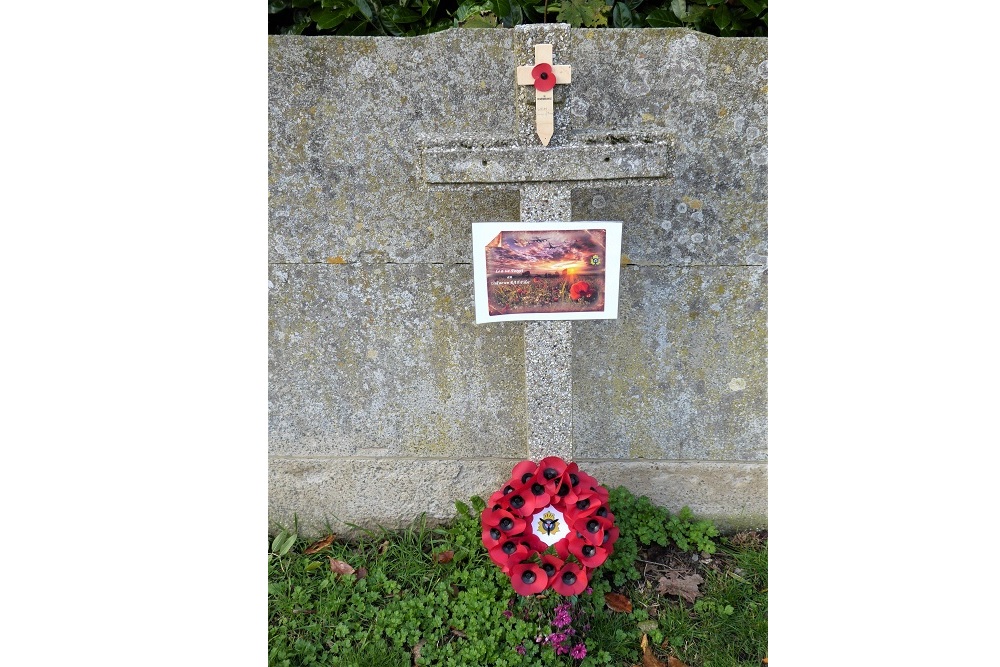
(385, 545)
(618, 602)
(648, 659)
(675, 583)
(361, 573)
(674, 662)
(444, 556)
(319, 544)
(340, 567)
(458, 633)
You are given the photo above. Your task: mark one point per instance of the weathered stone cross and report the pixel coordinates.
(543, 75)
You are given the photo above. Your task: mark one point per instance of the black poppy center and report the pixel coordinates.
(506, 523)
(583, 504)
(494, 533)
(569, 578)
(525, 477)
(528, 576)
(545, 75)
(602, 512)
(592, 526)
(509, 548)
(549, 568)
(588, 550)
(517, 502)
(563, 490)
(550, 473)
(508, 489)
(606, 538)
(537, 489)
(574, 479)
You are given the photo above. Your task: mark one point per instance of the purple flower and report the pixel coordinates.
(562, 617)
(520, 649)
(578, 652)
(507, 613)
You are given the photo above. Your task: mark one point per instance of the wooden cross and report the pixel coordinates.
(543, 90)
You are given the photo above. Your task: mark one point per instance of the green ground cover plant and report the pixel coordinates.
(675, 592)
(407, 18)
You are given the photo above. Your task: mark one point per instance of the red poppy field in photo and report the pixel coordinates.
(546, 272)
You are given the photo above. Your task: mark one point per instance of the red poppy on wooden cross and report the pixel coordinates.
(543, 75)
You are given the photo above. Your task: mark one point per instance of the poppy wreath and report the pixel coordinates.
(544, 507)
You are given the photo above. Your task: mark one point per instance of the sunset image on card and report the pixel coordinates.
(546, 271)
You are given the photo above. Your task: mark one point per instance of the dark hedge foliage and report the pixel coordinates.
(407, 18)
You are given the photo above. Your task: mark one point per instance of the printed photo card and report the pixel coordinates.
(546, 270)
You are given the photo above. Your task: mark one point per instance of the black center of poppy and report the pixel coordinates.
(588, 550)
(606, 538)
(563, 490)
(537, 489)
(545, 75)
(508, 489)
(550, 473)
(506, 523)
(517, 502)
(583, 504)
(602, 512)
(509, 548)
(525, 477)
(592, 526)
(528, 576)
(549, 568)
(494, 533)
(574, 479)
(569, 578)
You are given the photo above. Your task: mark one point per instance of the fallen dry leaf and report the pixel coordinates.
(458, 633)
(618, 602)
(416, 651)
(361, 573)
(340, 567)
(677, 584)
(444, 556)
(319, 545)
(385, 545)
(648, 659)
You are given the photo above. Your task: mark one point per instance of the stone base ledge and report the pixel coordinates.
(329, 493)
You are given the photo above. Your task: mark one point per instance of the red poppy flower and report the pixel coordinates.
(498, 496)
(528, 579)
(491, 537)
(522, 502)
(580, 290)
(552, 564)
(550, 472)
(571, 579)
(508, 523)
(587, 503)
(610, 537)
(589, 555)
(545, 78)
(591, 528)
(523, 471)
(508, 554)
